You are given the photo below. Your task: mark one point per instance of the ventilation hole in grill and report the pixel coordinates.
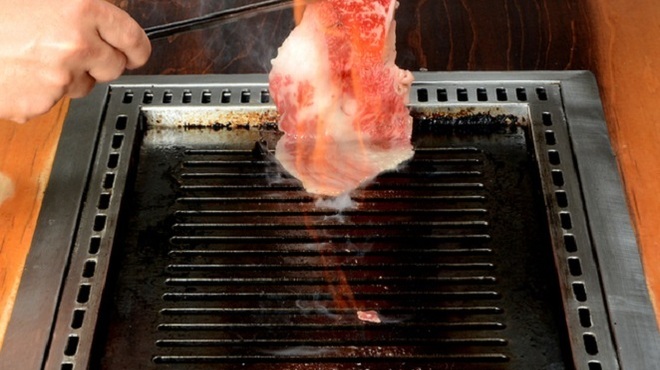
(547, 118)
(71, 345)
(89, 269)
(462, 94)
(422, 95)
(148, 97)
(187, 97)
(482, 94)
(113, 160)
(542, 93)
(580, 292)
(225, 97)
(117, 140)
(121, 122)
(442, 95)
(167, 97)
(590, 344)
(245, 96)
(104, 201)
(570, 244)
(206, 97)
(521, 94)
(562, 199)
(109, 180)
(99, 222)
(83, 293)
(550, 138)
(128, 97)
(595, 366)
(553, 157)
(94, 245)
(574, 266)
(265, 96)
(566, 221)
(501, 94)
(67, 367)
(585, 317)
(558, 178)
(78, 319)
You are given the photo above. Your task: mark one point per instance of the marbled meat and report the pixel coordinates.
(341, 98)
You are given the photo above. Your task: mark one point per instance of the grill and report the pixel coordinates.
(170, 238)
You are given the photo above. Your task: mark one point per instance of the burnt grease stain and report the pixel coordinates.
(472, 124)
(464, 123)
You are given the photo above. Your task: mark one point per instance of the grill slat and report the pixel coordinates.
(454, 310)
(331, 342)
(282, 356)
(330, 225)
(329, 266)
(322, 296)
(311, 212)
(307, 252)
(310, 281)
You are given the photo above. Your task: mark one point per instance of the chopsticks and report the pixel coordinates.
(169, 29)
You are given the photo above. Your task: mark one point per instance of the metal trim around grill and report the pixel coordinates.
(610, 321)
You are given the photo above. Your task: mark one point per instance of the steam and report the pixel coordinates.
(339, 203)
(317, 307)
(251, 40)
(6, 188)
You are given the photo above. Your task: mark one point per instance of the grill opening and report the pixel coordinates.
(223, 261)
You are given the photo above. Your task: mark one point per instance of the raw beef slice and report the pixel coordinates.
(342, 100)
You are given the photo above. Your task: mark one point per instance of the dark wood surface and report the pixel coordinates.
(615, 39)
(431, 34)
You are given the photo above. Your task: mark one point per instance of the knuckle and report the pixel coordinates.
(74, 49)
(61, 78)
(112, 68)
(138, 45)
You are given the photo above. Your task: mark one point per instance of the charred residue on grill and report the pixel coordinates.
(467, 124)
(218, 126)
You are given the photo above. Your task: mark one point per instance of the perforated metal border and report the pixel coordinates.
(586, 316)
(568, 128)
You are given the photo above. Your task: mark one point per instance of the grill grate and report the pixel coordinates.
(476, 254)
(247, 270)
(298, 301)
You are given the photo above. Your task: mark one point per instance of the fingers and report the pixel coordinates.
(61, 48)
(123, 33)
(118, 43)
(81, 85)
(108, 64)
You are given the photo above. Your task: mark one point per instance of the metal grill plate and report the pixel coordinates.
(246, 271)
(193, 248)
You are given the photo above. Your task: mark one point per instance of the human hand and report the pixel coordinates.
(53, 48)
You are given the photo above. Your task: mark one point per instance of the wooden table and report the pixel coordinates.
(616, 39)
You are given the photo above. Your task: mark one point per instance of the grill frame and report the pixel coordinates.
(627, 313)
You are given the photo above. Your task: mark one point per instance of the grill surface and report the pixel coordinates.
(183, 245)
(238, 267)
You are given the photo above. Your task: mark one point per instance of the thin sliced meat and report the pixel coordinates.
(341, 98)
